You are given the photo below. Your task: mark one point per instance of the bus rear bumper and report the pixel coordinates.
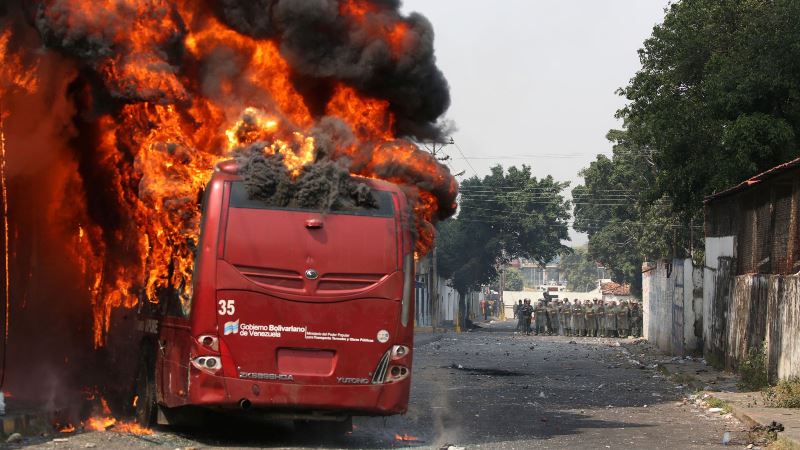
(366, 400)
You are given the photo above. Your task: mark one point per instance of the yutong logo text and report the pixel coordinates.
(344, 380)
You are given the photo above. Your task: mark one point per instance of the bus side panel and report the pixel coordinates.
(173, 356)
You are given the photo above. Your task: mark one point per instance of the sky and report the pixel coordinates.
(533, 81)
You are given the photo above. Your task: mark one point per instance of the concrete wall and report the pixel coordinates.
(673, 306)
(783, 330)
(717, 288)
(765, 311)
(749, 311)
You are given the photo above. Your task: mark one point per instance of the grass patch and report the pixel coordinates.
(782, 444)
(760, 438)
(662, 369)
(714, 402)
(754, 370)
(785, 394)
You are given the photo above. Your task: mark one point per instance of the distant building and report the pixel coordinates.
(616, 292)
(535, 274)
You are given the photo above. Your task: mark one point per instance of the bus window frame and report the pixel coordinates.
(385, 200)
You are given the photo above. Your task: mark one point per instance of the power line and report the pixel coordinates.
(543, 195)
(596, 226)
(464, 157)
(545, 201)
(530, 156)
(531, 188)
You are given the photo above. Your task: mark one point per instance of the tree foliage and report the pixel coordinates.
(513, 280)
(579, 270)
(627, 219)
(507, 214)
(717, 98)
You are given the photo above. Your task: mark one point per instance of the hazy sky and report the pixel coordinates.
(533, 81)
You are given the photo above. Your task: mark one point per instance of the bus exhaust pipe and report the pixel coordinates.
(245, 404)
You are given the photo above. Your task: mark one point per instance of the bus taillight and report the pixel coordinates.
(210, 364)
(209, 341)
(399, 351)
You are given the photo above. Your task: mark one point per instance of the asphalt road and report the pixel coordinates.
(493, 389)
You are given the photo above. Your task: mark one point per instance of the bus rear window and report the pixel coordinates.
(383, 200)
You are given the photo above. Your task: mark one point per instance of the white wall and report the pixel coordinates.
(448, 300)
(716, 247)
(668, 286)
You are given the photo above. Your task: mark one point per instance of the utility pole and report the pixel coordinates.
(434, 291)
(435, 149)
(501, 305)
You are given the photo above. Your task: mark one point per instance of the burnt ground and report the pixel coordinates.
(495, 390)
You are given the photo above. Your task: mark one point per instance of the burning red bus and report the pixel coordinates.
(293, 313)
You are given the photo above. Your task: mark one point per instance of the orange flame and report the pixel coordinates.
(99, 423)
(13, 75)
(405, 438)
(132, 428)
(356, 9)
(159, 149)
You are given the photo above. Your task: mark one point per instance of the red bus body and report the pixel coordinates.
(293, 311)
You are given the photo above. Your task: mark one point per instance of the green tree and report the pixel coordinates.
(626, 217)
(513, 280)
(717, 98)
(507, 214)
(716, 101)
(579, 270)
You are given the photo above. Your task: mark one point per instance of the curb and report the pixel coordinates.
(742, 415)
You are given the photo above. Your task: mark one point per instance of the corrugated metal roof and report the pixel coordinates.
(777, 170)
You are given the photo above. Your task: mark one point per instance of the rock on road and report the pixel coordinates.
(491, 389)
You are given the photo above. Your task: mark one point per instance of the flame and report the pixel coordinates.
(67, 429)
(397, 37)
(132, 428)
(394, 35)
(369, 119)
(356, 9)
(14, 75)
(135, 401)
(157, 147)
(99, 423)
(405, 438)
(109, 423)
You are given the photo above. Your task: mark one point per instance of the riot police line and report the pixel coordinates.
(588, 318)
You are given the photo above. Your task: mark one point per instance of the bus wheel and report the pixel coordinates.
(146, 407)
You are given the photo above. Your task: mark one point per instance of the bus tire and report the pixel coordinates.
(146, 406)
